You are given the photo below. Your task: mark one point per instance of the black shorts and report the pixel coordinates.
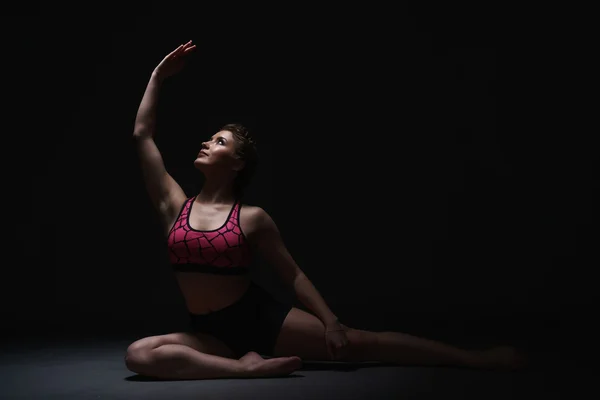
(250, 324)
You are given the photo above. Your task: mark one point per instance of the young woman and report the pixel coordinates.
(211, 238)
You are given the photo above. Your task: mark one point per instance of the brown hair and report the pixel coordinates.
(245, 149)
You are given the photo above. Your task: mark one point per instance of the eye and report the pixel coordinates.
(221, 141)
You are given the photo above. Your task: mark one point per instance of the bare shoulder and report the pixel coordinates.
(253, 219)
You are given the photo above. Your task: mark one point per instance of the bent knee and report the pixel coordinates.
(148, 343)
(138, 354)
(139, 347)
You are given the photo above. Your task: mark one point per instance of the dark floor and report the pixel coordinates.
(93, 368)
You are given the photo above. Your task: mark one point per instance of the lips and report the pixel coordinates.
(203, 152)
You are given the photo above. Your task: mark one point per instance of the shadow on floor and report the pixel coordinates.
(306, 366)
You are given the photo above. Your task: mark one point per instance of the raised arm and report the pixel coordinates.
(166, 195)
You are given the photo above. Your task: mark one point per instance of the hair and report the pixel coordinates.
(245, 149)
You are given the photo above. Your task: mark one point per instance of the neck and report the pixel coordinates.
(215, 192)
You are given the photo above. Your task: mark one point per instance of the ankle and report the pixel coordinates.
(247, 367)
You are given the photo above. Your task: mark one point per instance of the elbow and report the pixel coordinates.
(142, 130)
(138, 132)
(298, 274)
(291, 277)
(141, 134)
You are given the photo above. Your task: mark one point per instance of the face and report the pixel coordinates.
(218, 151)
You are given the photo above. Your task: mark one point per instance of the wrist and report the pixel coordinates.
(332, 323)
(155, 76)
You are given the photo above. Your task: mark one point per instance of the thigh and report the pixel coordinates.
(303, 334)
(199, 341)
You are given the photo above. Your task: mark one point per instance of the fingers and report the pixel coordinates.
(188, 47)
(182, 48)
(334, 353)
(174, 52)
(337, 351)
(187, 50)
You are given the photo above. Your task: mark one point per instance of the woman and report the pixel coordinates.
(211, 238)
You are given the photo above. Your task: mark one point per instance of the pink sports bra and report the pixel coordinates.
(223, 251)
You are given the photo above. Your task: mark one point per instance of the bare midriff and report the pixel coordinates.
(205, 293)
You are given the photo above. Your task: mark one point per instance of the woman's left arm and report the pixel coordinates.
(266, 238)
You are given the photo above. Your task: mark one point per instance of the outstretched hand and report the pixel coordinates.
(174, 61)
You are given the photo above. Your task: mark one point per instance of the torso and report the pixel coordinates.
(204, 292)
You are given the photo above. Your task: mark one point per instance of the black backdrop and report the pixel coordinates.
(402, 185)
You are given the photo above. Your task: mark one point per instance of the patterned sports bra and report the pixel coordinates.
(223, 251)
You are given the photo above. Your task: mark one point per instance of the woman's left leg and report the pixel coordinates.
(303, 334)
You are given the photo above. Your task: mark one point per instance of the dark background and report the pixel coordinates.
(401, 160)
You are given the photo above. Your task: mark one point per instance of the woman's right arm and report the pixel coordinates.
(166, 194)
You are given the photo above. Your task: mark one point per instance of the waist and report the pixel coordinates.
(205, 293)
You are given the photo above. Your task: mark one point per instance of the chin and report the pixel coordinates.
(198, 163)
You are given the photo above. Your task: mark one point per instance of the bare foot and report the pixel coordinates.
(503, 357)
(251, 357)
(256, 366)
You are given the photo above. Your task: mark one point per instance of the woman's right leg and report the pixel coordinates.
(199, 356)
